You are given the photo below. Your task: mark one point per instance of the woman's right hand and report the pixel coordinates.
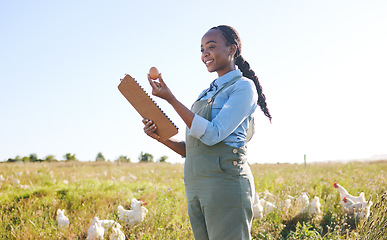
(160, 89)
(150, 129)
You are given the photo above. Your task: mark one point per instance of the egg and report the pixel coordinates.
(154, 73)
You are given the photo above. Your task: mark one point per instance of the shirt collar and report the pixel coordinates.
(227, 77)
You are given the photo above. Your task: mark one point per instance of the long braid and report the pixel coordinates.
(232, 37)
(244, 66)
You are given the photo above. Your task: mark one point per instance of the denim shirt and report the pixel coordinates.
(230, 112)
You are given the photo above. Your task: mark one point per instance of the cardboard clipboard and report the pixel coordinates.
(147, 107)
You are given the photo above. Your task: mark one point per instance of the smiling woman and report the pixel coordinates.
(216, 55)
(218, 180)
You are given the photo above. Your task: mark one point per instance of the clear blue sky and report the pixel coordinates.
(322, 65)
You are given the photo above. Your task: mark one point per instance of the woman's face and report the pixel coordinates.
(216, 55)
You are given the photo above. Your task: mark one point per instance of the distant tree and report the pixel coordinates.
(33, 157)
(163, 159)
(50, 158)
(11, 160)
(16, 159)
(123, 159)
(69, 157)
(145, 157)
(25, 159)
(100, 157)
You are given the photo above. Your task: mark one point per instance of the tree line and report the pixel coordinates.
(143, 157)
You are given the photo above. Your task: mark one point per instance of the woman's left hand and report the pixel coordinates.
(150, 129)
(160, 89)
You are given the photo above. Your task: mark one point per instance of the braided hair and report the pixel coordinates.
(232, 37)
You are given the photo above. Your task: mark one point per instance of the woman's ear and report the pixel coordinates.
(233, 49)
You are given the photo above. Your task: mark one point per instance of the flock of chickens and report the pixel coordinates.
(99, 228)
(356, 206)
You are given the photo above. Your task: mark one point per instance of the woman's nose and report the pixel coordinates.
(205, 53)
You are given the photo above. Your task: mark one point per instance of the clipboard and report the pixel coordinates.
(147, 107)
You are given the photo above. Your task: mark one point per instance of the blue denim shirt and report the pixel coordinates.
(230, 112)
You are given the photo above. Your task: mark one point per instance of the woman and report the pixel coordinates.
(218, 181)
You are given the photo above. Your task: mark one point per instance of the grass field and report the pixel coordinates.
(83, 189)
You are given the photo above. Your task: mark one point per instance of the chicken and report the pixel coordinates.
(61, 219)
(359, 209)
(344, 193)
(257, 208)
(302, 204)
(268, 196)
(16, 182)
(356, 205)
(96, 231)
(287, 205)
(303, 200)
(268, 207)
(109, 224)
(313, 207)
(351, 207)
(135, 215)
(365, 211)
(117, 234)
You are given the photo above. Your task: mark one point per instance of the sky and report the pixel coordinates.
(322, 66)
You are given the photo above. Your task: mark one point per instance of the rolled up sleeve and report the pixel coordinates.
(198, 127)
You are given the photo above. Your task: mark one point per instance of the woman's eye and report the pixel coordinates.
(202, 50)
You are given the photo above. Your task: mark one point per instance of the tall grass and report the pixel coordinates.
(84, 189)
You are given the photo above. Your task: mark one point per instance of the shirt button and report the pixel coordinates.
(234, 163)
(235, 151)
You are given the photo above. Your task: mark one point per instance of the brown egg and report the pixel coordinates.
(154, 73)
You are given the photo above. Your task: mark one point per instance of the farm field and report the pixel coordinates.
(84, 189)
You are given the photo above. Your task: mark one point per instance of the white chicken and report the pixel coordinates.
(344, 193)
(351, 207)
(287, 205)
(61, 219)
(268, 207)
(135, 215)
(313, 207)
(257, 208)
(359, 209)
(303, 200)
(117, 234)
(365, 212)
(16, 182)
(96, 231)
(356, 205)
(109, 224)
(302, 204)
(268, 196)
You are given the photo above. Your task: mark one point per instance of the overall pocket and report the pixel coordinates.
(207, 166)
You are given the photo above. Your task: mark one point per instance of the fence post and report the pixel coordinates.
(304, 160)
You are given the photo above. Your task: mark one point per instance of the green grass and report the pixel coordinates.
(98, 188)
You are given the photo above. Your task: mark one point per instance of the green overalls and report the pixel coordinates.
(219, 185)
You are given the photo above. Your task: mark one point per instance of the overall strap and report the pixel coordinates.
(229, 83)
